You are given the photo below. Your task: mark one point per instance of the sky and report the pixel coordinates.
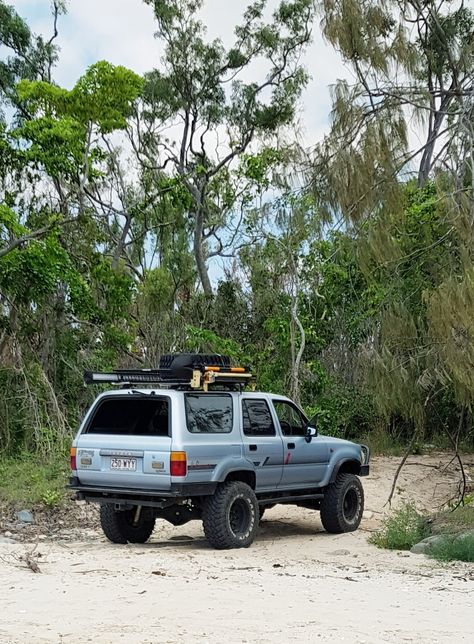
(121, 31)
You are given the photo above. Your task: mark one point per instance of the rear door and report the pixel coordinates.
(263, 445)
(126, 442)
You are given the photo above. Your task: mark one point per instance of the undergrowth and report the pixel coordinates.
(453, 548)
(454, 521)
(406, 526)
(402, 529)
(30, 480)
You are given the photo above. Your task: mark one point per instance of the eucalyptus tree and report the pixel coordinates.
(200, 116)
(27, 55)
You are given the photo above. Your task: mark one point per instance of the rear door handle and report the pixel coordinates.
(291, 446)
(253, 448)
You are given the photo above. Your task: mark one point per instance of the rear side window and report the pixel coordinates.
(131, 416)
(257, 419)
(209, 413)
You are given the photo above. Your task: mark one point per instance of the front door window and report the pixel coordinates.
(292, 421)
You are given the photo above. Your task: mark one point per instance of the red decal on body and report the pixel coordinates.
(288, 456)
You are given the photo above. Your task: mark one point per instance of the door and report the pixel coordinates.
(304, 463)
(263, 445)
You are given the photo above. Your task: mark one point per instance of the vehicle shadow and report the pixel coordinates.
(268, 531)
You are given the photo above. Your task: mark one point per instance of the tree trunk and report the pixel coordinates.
(121, 242)
(427, 157)
(296, 322)
(199, 254)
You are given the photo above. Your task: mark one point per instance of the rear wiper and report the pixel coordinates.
(142, 393)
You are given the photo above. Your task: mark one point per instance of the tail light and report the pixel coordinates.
(73, 459)
(178, 464)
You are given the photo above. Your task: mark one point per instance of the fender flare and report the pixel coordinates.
(222, 472)
(340, 463)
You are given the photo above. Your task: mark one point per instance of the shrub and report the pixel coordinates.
(343, 411)
(400, 531)
(454, 548)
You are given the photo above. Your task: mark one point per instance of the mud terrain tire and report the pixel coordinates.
(230, 516)
(118, 525)
(343, 504)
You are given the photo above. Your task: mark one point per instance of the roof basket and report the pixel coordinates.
(180, 371)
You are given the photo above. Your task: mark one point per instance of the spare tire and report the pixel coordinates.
(177, 366)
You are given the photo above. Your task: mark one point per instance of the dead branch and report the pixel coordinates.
(399, 469)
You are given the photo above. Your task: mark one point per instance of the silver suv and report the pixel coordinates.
(193, 444)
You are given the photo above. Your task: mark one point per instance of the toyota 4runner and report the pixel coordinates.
(192, 443)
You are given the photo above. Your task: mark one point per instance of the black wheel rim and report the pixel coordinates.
(239, 517)
(351, 505)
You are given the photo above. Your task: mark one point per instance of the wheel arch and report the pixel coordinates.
(245, 476)
(345, 466)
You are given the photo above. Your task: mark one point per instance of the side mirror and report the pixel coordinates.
(311, 432)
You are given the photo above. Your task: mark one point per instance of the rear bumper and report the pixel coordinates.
(100, 494)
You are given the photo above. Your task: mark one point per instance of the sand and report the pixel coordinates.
(296, 583)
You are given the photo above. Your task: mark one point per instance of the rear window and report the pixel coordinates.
(209, 413)
(131, 416)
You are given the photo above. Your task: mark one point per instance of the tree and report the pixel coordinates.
(30, 56)
(213, 114)
(413, 63)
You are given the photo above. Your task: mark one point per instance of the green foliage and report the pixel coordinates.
(104, 95)
(9, 223)
(57, 144)
(29, 479)
(30, 415)
(343, 411)
(204, 86)
(454, 548)
(455, 521)
(33, 273)
(354, 294)
(205, 341)
(29, 55)
(52, 498)
(401, 530)
(59, 137)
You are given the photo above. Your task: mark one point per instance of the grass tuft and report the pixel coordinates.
(401, 530)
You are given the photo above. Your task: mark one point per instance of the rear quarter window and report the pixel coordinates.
(209, 413)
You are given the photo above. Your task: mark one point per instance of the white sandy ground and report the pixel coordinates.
(295, 584)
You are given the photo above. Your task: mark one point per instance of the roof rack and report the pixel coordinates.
(182, 371)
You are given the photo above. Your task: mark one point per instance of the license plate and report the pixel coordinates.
(123, 464)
